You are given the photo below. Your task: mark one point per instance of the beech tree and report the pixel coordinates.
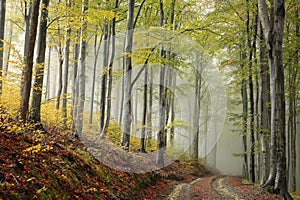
(27, 75)
(127, 115)
(35, 113)
(2, 30)
(273, 28)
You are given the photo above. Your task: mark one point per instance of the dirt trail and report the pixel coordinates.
(218, 187)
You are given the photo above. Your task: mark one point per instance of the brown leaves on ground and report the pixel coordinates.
(50, 165)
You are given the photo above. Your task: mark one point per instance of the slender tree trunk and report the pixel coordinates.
(265, 112)
(150, 103)
(252, 50)
(96, 55)
(292, 120)
(35, 113)
(60, 72)
(9, 37)
(144, 121)
(81, 74)
(2, 30)
(47, 93)
(27, 18)
(172, 129)
(27, 75)
(106, 45)
(196, 126)
(110, 68)
(245, 124)
(75, 80)
(66, 69)
(127, 118)
(162, 113)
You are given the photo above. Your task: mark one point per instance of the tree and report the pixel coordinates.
(27, 75)
(265, 113)
(2, 30)
(161, 145)
(127, 116)
(35, 113)
(273, 28)
(81, 74)
(66, 67)
(110, 67)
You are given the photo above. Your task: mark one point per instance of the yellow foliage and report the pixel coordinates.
(10, 98)
(33, 149)
(53, 117)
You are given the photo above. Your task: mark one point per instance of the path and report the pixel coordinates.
(218, 188)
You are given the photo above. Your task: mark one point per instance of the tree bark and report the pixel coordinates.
(47, 93)
(265, 112)
(96, 55)
(2, 30)
(9, 37)
(106, 45)
(273, 32)
(81, 74)
(66, 69)
(244, 122)
(75, 81)
(162, 100)
(27, 75)
(35, 113)
(110, 68)
(127, 116)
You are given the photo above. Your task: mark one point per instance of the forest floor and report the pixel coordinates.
(48, 164)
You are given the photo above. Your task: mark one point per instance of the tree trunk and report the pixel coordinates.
(292, 119)
(150, 103)
(35, 113)
(244, 122)
(96, 55)
(105, 58)
(196, 126)
(274, 38)
(47, 93)
(265, 112)
(27, 18)
(66, 69)
(162, 100)
(2, 30)
(126, 118)
(9, 37)
(60, 72)
(110, 68)
(75, 81)
(27, 75)
(81, 74)
(144, 121)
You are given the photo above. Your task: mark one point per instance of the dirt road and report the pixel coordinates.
(218, 187)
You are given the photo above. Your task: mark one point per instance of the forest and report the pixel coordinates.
(103, 93)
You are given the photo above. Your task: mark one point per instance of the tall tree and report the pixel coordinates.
(105, 58)
(27, 75)
(265, 113)
(96, 55)
(127, 116)
(161, 145)
(66, 67)
(35, 113)
(273, 29)
(81, 73)
(110, 67)
(2, 30)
